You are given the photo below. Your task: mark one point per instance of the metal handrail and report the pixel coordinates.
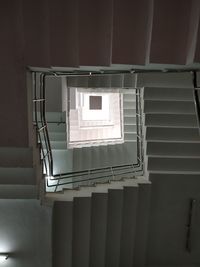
(190, 225)
(124, 168)
(90, 179)
(196, 98)
(42, 131)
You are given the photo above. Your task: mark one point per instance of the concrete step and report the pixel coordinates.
(62, 222)
(56, 136)
(114, 227)
(86, 158)
(77, 160)
(57, 127)
(170, 94)
(129, 128)
(129, 96)
(129, 152)
(129, 111)
(142, 222)
(54, 116)
(172, 176)
(128, 230)
(129, 104)
(16, 157)
(36, 26)
(172, 107)
(98, 232)
(173, 149)
(64, 40)
(165, 81)
(81, 232)
(17, 176)
(18, 192)
(97, 161)
(98, 156)
(57, 145)
(129, 119)
(90, 14)
(174, 164)
(105, 225)
(133, 136)
(172, 134)
(125, 18)
(132, 109)
(165, 16)
(128, 136)
(171, 120)
(69, 195)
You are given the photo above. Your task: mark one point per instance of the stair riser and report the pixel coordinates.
(129, 112)
(54, 116)
(57, 145)
(23, 176)
(55, 127)
(98, 229)
(172, 107)
(130, 120)
(174, 164)
(81, 232)
(142, 225)
(129, 128)
(129, 104)
(173, 149)
(114, 224)
(128, 231)
(18, 192)
(164, 120)
(164, 94)
(62, 226)
(16, 157)
(57, 136)
(167, 134)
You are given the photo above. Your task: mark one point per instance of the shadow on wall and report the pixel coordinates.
(25, 231)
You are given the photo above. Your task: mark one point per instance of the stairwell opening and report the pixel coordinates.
(95, 117)
(104, 111)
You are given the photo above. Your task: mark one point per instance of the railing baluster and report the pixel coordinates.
(190, 225)
(196, 98)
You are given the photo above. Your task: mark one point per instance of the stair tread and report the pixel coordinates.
(81, 231)
(98, 229)
(14, 156)
(173, 141)
(18, 192)
(172, 156)
(128, 231)
(17, 175)
(114, 227)
(175, 172)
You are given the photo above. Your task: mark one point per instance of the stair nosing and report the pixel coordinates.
(172, 141)
(174, 172)
(168, 99)
(172, 126)
(173, 156)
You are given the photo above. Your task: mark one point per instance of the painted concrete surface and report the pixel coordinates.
(25, 233)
